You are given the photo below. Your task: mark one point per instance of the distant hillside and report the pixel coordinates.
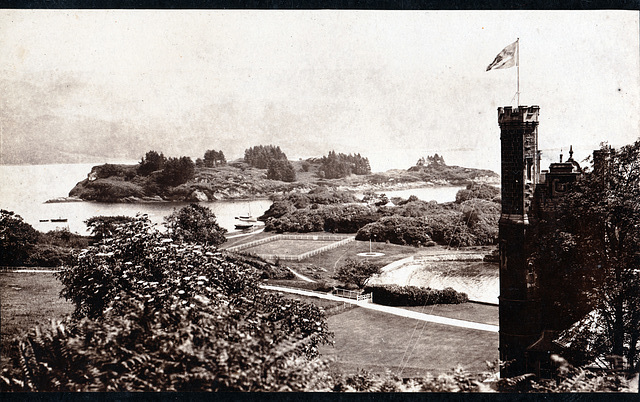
(238, 180)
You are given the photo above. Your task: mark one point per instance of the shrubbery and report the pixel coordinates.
(22, 245)
(395, 295)
(281, 170)
(480, 191)
(155, 315)
(17, 239)
(397, 230)
(343, 218)
(357, 272)
(195, 223)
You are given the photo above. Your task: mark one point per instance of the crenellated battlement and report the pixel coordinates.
(518, 115)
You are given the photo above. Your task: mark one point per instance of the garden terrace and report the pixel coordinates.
(292, 247)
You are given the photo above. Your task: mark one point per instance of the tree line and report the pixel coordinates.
(336, 166)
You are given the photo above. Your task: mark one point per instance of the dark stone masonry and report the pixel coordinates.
(527, 195)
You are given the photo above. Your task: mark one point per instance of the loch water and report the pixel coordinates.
(24, 189)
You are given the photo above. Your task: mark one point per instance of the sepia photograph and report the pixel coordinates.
(319, 201)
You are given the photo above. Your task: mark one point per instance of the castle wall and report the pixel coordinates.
(519, 304)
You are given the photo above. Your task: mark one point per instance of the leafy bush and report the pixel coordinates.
(48, 255)
(63, 238)
(473, 222)
(177, 171)
(152, 315)
(281, 170)
(196, 346)
(343, 218)
(123, 172)
(104, 226)
(17, 239)
(395, 295)
(480, 191)
(195, 223)
(356, 272)
(397, 230)
(151, 162)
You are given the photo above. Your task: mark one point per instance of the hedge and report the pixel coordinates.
(395, 295)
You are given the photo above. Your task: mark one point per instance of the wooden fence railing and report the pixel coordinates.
(354, 295)
(340, 241)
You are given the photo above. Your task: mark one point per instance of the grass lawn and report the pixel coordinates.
(482, 313)
(323, 266)
(288, 246)
(27, 300)
(376, 342)
(235, 241)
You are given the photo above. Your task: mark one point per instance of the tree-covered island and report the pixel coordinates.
(263, 172)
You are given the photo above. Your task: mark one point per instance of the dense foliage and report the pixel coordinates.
(335, 166)
(468, 223)
(320, 195)
(125, 172)
(395, 295)
(398, 230)
(480, 191)
(260, 155)
(22, 245)
(195, 223)
(153, 315)
(335, 218)
(17, 239)
(104, 226)
(281, 170)
(415, 222)
(356, 272)
(588, 256)
(151, 162)
(177, 171)
(213, 158)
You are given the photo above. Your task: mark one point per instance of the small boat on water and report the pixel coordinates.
(244, 226)
(59, 220)
(44, 220)
(246, 218)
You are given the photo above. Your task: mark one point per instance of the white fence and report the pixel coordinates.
(340, 241)
(354, 295)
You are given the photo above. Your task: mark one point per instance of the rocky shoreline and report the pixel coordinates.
(120, 184)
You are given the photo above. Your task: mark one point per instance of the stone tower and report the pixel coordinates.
(519, 304)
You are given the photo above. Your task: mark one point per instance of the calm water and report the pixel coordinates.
(24, 190)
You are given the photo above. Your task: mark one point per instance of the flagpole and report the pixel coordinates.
(518, 69)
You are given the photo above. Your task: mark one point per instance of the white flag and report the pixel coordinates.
(506, 58)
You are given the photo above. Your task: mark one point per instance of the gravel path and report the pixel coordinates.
(390, 310)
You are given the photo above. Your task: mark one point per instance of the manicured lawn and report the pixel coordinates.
(323, 266)
(482, 313)
(376, 342)
(27, 300)
(288, 247)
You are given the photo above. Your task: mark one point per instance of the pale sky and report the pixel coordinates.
(391, 85)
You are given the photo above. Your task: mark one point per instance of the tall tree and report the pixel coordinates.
(17, 239)
(151, 162)
(104, 226)
(195, 223)
(281, 170)
(177, 171)
(214, 158)
(593, 255)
